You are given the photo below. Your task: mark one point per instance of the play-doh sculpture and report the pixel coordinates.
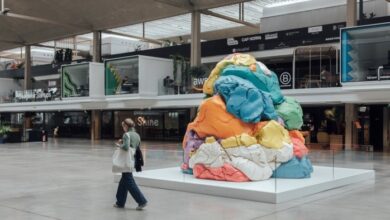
(246, 130)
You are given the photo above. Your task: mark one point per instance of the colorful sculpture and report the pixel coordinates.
(246, 130)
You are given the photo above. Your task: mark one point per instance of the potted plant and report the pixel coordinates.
(3, 132)
(180, 69)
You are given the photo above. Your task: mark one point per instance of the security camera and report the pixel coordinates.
(5, 11)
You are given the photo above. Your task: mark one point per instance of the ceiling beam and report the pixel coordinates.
(13, 42)
(54, 47)
(133, 36)
(190, 5)
(46, 21)
(186, 5)
(217, 15)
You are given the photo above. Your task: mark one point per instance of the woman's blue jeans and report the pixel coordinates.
(127, 183)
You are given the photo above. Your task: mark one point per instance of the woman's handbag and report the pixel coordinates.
(123, 161)
(139, 159)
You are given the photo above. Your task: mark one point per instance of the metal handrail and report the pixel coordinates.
(378, 72)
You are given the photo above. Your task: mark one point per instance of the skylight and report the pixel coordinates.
(284, 3)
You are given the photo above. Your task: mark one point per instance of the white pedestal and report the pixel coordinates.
(270, 191)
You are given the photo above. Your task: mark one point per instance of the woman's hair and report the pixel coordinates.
(129, 123)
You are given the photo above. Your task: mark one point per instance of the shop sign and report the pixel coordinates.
(332, 38)
(315, 29)
(36, 94)
(144, 122)
(231, 42)
(271, 36)
(198, 82)
(236, 50)
(24, 95)
(253, 38)
(292, 33)
(285, 79)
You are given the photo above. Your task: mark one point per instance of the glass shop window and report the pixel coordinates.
(365, 53)
(75, 80)
(122, 76)
(316, 67)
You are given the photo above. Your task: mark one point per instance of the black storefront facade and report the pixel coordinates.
(151, 124)
(68, 124)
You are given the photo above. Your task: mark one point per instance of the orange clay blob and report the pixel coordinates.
(214, 120)
(300, 150)
(225, 173)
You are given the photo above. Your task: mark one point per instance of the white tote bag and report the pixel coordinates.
(123, 161)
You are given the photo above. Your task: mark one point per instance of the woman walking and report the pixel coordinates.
(128, 144)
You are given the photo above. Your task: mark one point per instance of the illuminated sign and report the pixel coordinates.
(198, 82)
(143, 122)
(231, 42)
(285, 78)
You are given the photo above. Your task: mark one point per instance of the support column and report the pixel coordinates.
(361, 11)
(27, 68)
(97, 47)
(96, 126)
(351, 13)
(350, 130)
(195, 39)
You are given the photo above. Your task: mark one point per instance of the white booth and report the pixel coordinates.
(82, 80)
(7, 87)
(137, 75)
(365, 55)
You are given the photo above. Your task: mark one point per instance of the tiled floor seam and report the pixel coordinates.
(29, 212)
(49, 190)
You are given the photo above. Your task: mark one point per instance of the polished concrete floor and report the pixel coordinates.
(72, 179)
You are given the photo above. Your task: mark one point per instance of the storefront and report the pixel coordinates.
(75, 124)
(365, 55)
(324, 125)
(68, 124)
(156, 124)
(372, 127)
